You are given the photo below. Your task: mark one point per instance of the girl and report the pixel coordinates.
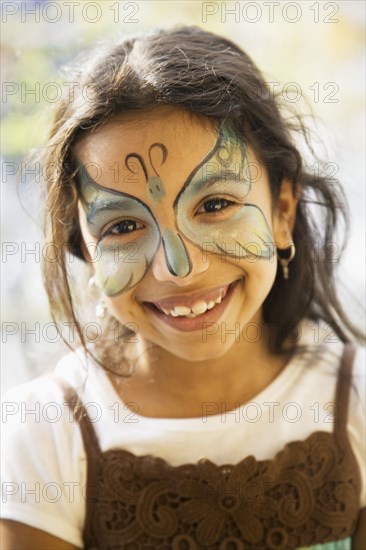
(221, 405)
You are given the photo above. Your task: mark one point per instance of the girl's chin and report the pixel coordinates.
(208, 350)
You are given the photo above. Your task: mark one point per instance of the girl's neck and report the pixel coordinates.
(164, 385)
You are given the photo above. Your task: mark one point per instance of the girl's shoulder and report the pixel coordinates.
(43, 458)
(36, 409)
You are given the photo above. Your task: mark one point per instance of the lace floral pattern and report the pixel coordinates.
(305, 495)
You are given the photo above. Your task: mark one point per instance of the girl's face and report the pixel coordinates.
(177, 219)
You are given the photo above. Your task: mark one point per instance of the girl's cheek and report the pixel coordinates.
(245, 234)
(121, 265)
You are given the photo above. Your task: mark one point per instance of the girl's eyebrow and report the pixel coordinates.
(111, 205)
(98, 208)
(209, 180)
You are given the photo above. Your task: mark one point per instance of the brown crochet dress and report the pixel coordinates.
(308, 493)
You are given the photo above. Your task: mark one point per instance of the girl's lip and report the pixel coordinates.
(187, 324)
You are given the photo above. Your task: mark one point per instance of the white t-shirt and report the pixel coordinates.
(44, 461)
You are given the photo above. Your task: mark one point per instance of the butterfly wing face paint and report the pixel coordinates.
(121, 259)
(128, 235)
(244, 231)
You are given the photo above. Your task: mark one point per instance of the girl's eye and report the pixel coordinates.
(214, 205)
(123, 227)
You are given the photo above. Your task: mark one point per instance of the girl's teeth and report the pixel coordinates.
(182, 310)
(199, 308)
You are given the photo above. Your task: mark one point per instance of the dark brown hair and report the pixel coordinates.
(211, 77)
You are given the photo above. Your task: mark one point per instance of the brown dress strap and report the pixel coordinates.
(342, 394)
(90, 440)
(342, 399)
(93, 453)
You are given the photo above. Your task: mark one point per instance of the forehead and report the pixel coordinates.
(186, 140)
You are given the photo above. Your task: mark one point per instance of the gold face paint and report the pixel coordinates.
(210, 211)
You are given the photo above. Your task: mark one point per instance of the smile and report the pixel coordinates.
(196, 309)
(188, 313)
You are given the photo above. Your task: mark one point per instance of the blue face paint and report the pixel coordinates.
(176, 255)
(112, 217)
(239, 229)
(210, 212)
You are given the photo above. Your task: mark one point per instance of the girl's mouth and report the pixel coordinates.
(190, 314)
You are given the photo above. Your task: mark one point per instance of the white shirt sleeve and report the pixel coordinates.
(43, 461)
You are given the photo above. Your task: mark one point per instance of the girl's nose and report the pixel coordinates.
(177, 260)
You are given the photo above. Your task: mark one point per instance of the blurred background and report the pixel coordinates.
(311, 51)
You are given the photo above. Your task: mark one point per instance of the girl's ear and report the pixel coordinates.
(285, 214)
